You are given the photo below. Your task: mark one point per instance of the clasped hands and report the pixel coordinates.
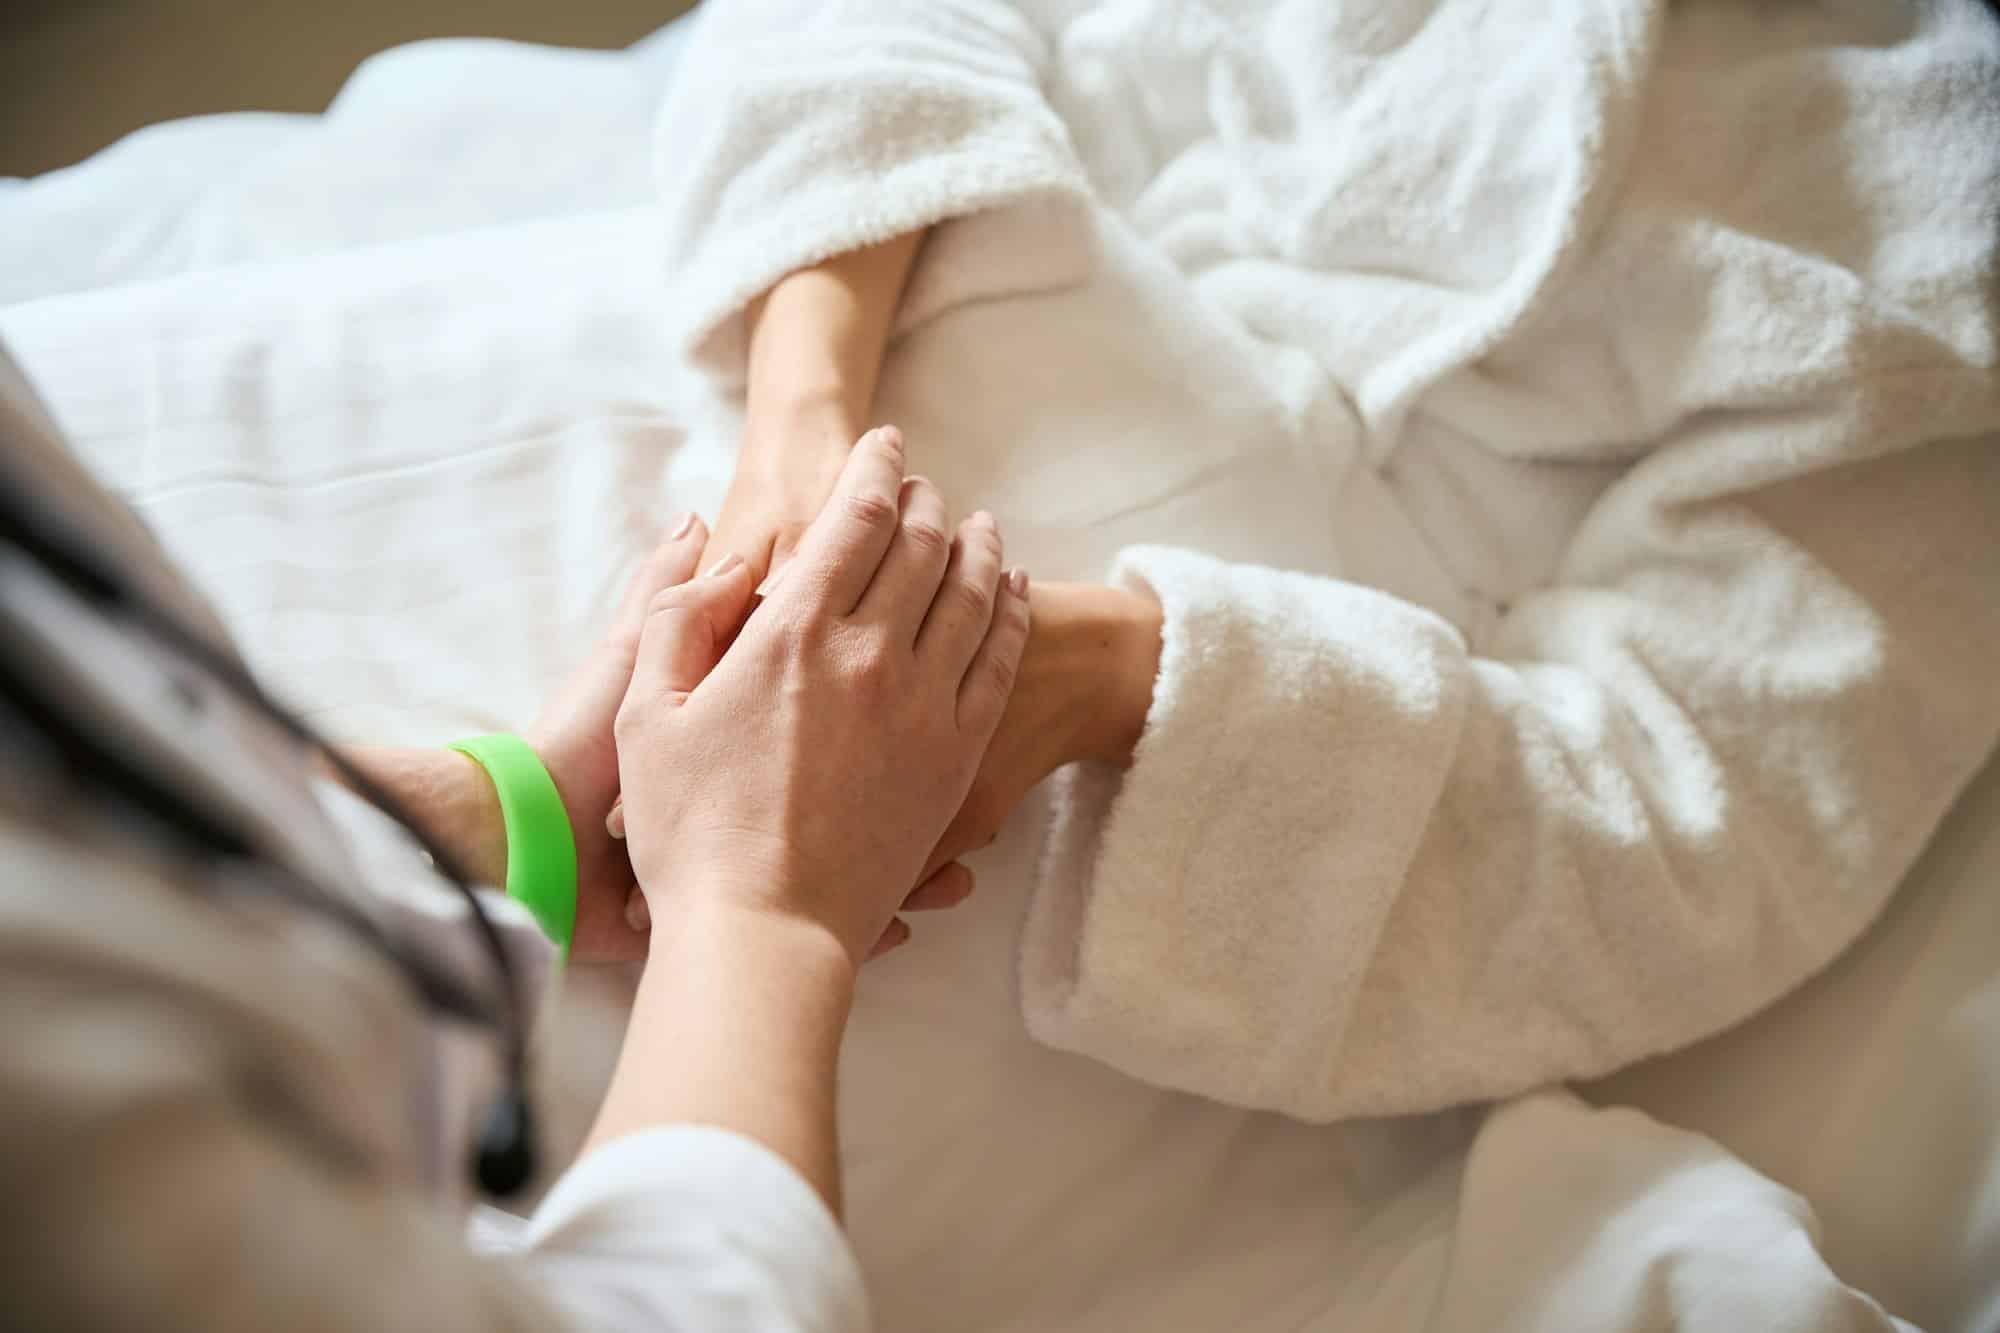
(831, 751)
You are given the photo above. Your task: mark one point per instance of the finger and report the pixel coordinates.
(963, 607)
(686, 629)
(908, 579)
(949, 887)
(756, 554)
(838, 556)
(783, 548)
(671, 562)
(614, 823)
(637, 915)
(894, 935)
(989, 680)
(975, 826)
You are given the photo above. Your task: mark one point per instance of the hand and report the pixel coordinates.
(783, 477)
(1086, 686)
(807, 776)
(574, 738)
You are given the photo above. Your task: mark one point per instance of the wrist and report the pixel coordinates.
(1103, 645)
(737, 1023)
(451, 796)
(805, 424)
(763, 943)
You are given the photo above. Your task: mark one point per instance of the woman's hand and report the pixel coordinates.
(808, 775)
(783, 477)
(455, 801)
(1085, 689)
(574, 738)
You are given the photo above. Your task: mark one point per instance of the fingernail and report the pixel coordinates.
(725, 565)
(984, 519)
(682, 528)
(614, 823)
(889, 437)
(1017, 581)
(637, 914)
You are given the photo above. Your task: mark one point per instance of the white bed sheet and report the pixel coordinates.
(427, 139)
(402, 406)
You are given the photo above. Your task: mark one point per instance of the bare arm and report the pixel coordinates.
(816, 344)
(781, 799)
(449, 795)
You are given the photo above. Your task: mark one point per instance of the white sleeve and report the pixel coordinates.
(692, 1228)
(797, 130)
(1356, 869)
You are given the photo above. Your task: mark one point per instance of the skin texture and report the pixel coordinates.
(760, 886)
(874, 677)
(781, 799)
(816, 347)
(454, 798)
(816, 344)
(1086, 685)
(573, 736)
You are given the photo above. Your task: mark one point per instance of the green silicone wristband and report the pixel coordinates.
(541, 849)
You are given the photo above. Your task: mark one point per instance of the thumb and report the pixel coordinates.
(687, 627)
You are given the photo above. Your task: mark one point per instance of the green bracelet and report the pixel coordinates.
(541, 849)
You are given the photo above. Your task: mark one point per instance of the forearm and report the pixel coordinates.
(737, 1024)
(816, 344)
(449, 795)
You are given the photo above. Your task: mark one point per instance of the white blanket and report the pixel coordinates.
(346, 446)
(1371, 858)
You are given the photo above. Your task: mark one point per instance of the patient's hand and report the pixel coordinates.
(773, 499)
(1086, 685)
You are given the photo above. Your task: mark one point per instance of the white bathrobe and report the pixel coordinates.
(1634, 369)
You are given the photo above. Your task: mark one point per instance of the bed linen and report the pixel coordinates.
(412, 474)
(1384, 854)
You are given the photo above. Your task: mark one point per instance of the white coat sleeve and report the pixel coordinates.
(695, 1228)
(676, 1227)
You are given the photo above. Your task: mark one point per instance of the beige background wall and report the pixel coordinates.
(77, 74)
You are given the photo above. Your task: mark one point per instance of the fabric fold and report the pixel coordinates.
(866, 121)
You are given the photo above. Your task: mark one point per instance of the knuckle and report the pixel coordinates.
(797, 625)
(1000, 673)
(975, 599)
(857, 656)
(872, 668)
(621, 642)
(869, 509)
(667, 599)
(926, 537)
